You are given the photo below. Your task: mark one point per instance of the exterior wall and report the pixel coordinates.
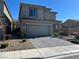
(71, 27)
(53, 16)
(40, 14)
(50, 16)
(7, 14)
(71, 23)
(1, 8)
(2, 32)
(16, 24)
(43, 13)
(58, 26)
(25, 13)
(73, 31)
(1, 20)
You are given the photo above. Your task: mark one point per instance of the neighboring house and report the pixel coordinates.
(15, 24)
(36, 21)
(71, 26)
(5, 20)
(58, 26)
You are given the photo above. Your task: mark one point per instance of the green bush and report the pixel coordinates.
(4, 45)
(63, 34)
(56, 34)
(77, 37)
(75, 41)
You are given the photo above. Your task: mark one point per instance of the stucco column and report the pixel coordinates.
(51, 30)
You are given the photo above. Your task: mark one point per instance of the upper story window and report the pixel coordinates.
(33, 12)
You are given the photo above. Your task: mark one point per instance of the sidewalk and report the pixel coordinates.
(56, 52)
(33, 53)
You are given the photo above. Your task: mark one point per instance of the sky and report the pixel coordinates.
(66, 9)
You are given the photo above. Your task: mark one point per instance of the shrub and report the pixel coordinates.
(56, 34)
(75, 41)
(4, 45)
(22, 41)
(63, 34)
(77, 37)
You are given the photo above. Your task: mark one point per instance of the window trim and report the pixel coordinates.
(33, 12)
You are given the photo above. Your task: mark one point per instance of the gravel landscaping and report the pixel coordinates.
(17, 45)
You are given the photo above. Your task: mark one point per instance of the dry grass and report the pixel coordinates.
(17, 45)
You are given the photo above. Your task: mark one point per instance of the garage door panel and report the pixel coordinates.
(37, 30)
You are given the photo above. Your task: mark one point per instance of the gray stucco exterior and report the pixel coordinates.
(36, 26)
(43, 12)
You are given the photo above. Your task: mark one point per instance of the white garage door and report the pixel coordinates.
(37, 30)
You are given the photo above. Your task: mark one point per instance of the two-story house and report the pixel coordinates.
(36, 21)
(5, 20)
(71, 26)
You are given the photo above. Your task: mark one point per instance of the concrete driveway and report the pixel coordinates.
(46, 42)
